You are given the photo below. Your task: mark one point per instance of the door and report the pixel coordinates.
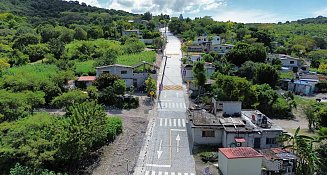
(257, 143)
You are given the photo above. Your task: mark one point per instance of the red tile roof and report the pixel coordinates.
(240, 152)
(87, 78)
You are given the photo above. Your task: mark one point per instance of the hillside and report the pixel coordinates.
(52, 10)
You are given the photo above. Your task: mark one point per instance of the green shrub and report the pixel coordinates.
(114, 127)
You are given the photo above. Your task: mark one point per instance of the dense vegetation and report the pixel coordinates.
(43, 45)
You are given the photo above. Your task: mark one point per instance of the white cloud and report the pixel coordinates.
(249, 16)
(164, 6)
(321, 12)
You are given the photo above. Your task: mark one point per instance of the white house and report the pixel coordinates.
(289, 62)
(232, 127)
(187, 73)
(134, 76)
(222, 49)
(239, 161)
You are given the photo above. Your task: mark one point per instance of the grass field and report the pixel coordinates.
(133, 59)
(86, 67)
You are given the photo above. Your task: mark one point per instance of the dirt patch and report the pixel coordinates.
(121, 156)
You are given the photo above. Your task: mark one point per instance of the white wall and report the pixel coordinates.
(116, 70)
(198, 139)
(244, 166)
(286, 63)
(222, 163)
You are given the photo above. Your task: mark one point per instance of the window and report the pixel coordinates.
(208, 133)
(271, 141)
(123, 72)
(291, 62)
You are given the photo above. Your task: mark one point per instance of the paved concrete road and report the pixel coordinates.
(166, 148)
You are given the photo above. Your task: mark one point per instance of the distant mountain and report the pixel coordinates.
(317, 20)
(52, 8)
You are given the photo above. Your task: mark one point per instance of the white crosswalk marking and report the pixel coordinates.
(171, 122)
(183, 122)
(171, 105)
(166, 173)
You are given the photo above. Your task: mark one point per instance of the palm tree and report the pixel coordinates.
(302, 147)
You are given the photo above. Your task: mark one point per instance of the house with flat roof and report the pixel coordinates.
(290, 63)
(187, 73)
(239, 161)
(134, 76)
(231, 126)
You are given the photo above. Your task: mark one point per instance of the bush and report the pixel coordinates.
(114, 127)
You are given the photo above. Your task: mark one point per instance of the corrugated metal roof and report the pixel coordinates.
(240, 152)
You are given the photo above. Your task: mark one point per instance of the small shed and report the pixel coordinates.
(85, 81)
(239, 160)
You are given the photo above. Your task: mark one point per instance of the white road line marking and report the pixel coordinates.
(184, 105)
(179, 122)
(166, 121)
(147, 172)
(192, 174)
(181, 130)
(166, 173)
(172, 173)
(185, 173)
(160, 166)
(170, 122)
(183, 122)
(166, 105)
(161, 121)
(172, 105)
(179, 173)
(181, 105)
(153, 173)
(174, 122)
(159, 173)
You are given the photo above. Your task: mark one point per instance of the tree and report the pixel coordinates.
(40, 137)
(109, 57)
(17, 58)
(317, 57)
(207, 58)
(48, 32)
(22, 41)
(69, 98)
(36, 51)
(80, 34)
(87, 129)
(266, 74)
(119, 87)
(199, 74)
(232, 88)
(3, 65)
(147, 16)
(243, 52)
(150, 85)
(302, 146)
(56, 47)
(133, 45)
(105, 80)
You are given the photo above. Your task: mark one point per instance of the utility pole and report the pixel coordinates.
(163, 74)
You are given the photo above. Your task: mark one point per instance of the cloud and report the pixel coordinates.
(321, 12)
(249, 16)
(164, 6)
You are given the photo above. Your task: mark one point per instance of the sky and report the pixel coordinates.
(246, 11)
